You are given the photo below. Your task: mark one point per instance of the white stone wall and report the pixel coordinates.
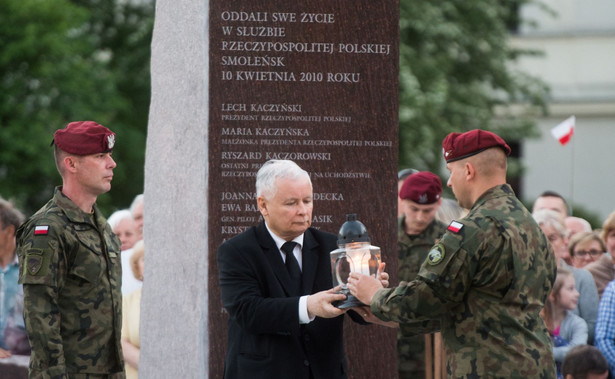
(174, 309)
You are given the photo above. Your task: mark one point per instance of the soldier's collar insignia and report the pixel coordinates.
(436, 255)
(455, 226)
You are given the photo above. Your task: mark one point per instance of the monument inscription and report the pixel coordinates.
(314, 82)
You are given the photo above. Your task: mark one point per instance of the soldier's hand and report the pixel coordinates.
(320, 303)
(383, 276)
(363, 287)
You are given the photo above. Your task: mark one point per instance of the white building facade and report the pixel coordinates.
(579, 66)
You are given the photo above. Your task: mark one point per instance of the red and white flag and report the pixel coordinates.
(41, 230)
(564, 131)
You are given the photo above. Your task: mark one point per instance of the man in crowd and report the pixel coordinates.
(487, 278)
(576, 225)
(13, 338)
(551, 200)
(70, 265)
(275, 283)
(418, 230)
(402, 175)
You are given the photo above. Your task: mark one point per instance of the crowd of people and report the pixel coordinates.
(511, 293)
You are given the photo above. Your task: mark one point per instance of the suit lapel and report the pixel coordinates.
(310, 261)
(273, 256)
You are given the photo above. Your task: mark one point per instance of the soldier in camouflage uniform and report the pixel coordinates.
(418, 230)
(70, 265)
(486, 280)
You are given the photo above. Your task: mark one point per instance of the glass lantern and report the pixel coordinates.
(354, 254)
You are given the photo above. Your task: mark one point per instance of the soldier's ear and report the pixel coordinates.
(469, 171)
(70, 163)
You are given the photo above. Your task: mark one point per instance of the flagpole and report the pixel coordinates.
(563, 132)
(572, 175)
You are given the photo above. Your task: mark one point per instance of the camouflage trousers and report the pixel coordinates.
(411, 357)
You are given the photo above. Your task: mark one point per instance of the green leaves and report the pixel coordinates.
(456, 75)
(60, 63)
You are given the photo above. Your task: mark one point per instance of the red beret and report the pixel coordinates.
(84, 138)
(457, 146)
(422, 187)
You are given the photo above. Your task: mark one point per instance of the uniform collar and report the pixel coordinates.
(426, 234)
(73, 212)
(492, 193)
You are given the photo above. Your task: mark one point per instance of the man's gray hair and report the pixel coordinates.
(9, 215)
(549, 217)
(274, 169)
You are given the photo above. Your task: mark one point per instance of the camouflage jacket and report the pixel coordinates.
(71, 273)
(486, 280)
(412, 253)
(413, 250)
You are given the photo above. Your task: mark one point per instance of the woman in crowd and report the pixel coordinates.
(603, 270)
(131, 313)
(608, 233)
(585, 248)
(124, 227)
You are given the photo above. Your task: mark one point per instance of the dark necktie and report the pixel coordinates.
(293, 267)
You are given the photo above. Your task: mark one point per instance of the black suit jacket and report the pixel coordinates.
(265, 339)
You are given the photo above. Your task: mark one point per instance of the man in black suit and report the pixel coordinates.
(282, 323)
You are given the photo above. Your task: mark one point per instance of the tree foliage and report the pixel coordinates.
(456, 73)
(64, 61)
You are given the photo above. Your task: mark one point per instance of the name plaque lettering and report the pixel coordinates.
(314, 82)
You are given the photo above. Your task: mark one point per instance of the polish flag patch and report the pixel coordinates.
(455, 226)
(41, 230)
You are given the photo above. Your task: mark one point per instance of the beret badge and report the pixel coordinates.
(110, 141)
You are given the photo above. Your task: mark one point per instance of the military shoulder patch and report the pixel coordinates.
(34, 267)
(41, 230)
(34, 262)
(436, 254)
(455, 226)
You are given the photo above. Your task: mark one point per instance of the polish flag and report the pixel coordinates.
(564, 131)
(41, 230)
(455, 226)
